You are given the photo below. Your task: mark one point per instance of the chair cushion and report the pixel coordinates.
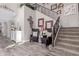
(35, 34)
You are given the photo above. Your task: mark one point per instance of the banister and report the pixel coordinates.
(56, 36)
(56, 29)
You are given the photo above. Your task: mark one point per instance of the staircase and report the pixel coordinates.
(67, 43)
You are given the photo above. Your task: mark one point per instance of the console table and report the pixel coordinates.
(16, 36)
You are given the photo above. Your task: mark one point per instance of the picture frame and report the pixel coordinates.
(48, 24)
(53, 7)
(61, 5)
(41, 22)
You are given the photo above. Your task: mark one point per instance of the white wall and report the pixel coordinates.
(46, 18)
(8, 29)
(67, 20)
(41, 15)
(19, 21)
(3, 29)
(70, 20)
(35, 15)
(27, 30)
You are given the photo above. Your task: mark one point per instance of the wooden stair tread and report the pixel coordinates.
(69, 35)
(67, 44)
(67, 50)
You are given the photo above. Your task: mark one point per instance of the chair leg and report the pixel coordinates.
(30, 40)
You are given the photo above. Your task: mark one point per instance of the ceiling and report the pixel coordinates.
(6, 15)
(10, 13)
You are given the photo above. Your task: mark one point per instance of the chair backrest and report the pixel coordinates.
(49, 30)
(35, 32)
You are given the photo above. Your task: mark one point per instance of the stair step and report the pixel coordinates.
(67, 52)
(69, 33)
(60, 52)
(68, 36)
(70, 28)
(71, 41)
(74, 36)
(69, 46)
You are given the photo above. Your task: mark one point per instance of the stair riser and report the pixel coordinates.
(68, 47)
(77, 31)
(70, 28)
(70, 42)
(77, 39)
(61, 52)
(69, 36)
(67, 33)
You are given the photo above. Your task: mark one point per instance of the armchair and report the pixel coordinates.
(34, 37)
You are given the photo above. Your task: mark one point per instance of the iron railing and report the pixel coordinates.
(55, 30)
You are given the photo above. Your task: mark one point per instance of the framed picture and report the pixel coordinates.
(49, 24)
(41, 22)
(70, 10)
(54, 6)
(61, 5)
